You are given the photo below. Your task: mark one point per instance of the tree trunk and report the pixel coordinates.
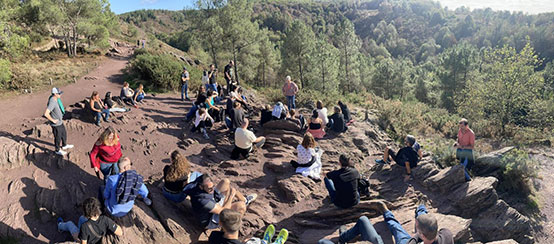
(236, 65)
(301, 72)
(67, 46)
(74, 41)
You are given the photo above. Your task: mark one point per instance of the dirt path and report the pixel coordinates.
(546, 195)
(106, 77)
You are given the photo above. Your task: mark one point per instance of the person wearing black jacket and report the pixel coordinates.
(337, 123)
(342, 184)
(345, 112)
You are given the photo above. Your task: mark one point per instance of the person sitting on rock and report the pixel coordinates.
(200, 102)
(342, 184)
(299, 120)
(279, 111)
(105, 153)
(236, 94)
(237, 116)
(321, 112)
(127, 94)
(214, 111)
(122, 189)
(245, 141)
(202, 122)
(230, 221)
(345, 113)
(465, 144)
(407, 157)
(336, 121)
(265, 115)
(92, 225)
(309, 158)
(316, 126)
(113, 107)
(99, 110)
(208, 200)
(177, 177)
(139, 94)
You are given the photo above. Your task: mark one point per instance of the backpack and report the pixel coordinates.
(363, 186)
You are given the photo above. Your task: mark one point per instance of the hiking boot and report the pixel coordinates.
(282, 237)
(61, 152)
(268, 234)
(68, 146)
(250, 198)
(380, 161)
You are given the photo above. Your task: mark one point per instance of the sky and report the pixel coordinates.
(528, 6)
(123, 6)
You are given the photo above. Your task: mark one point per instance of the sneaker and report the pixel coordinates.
(380, 161)
(282, 237)
(147, 201)
(250, 198)
(268, 234)
(61, 152)
(68, 146)
(342, 229)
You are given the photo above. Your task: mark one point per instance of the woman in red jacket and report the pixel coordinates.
(106, 153)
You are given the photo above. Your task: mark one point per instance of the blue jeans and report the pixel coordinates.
(466, 159)
(104, 113)
(364, 228)
(109, 169)
(192, 112)
(212, 87)
(185, 91)
(291, 102)
(228, 123)
(71, 227)
(400, 235)
(140, 97)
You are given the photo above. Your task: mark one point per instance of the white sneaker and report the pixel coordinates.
(68, 146)
(61, 152)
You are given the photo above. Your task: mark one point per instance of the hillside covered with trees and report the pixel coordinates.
(418, 52)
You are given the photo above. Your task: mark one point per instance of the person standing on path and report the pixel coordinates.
(289, 90)
(212, 78)
(185, 77)
(465, 145)
(54, 113)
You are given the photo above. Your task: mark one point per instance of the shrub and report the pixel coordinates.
(5, 73)
(160, 71)
(518, 170)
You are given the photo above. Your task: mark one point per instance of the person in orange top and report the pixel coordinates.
(105, 153)
(465, 145)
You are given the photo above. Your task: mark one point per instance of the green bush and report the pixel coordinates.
(5, 73)
(518, 170)
(160, 71)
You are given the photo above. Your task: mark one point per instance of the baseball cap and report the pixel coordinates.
(56, 91)
(185, 68)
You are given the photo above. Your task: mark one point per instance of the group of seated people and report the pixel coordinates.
(102, 109)
(122, 185)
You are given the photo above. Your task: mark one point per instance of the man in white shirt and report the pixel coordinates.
(244, 140)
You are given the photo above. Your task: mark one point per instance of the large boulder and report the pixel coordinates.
(474, 196)
(446, 179)
(424, 170)
(282, 125)
(457, 225)
(490, 163)
(297, 187)
(501, 222)
(43, 131)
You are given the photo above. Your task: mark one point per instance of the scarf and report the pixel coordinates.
(128, 186)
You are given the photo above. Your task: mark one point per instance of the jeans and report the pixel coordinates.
(212, 87)
(364, 228)
(140, 97)
(228, 123)
(185, 91)
(104, 113)
(291, 102)
(400, 235)
(71, 227)
(109, 169)
(192, 112)
(331, 188)
(60, 136)
(466, 159)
